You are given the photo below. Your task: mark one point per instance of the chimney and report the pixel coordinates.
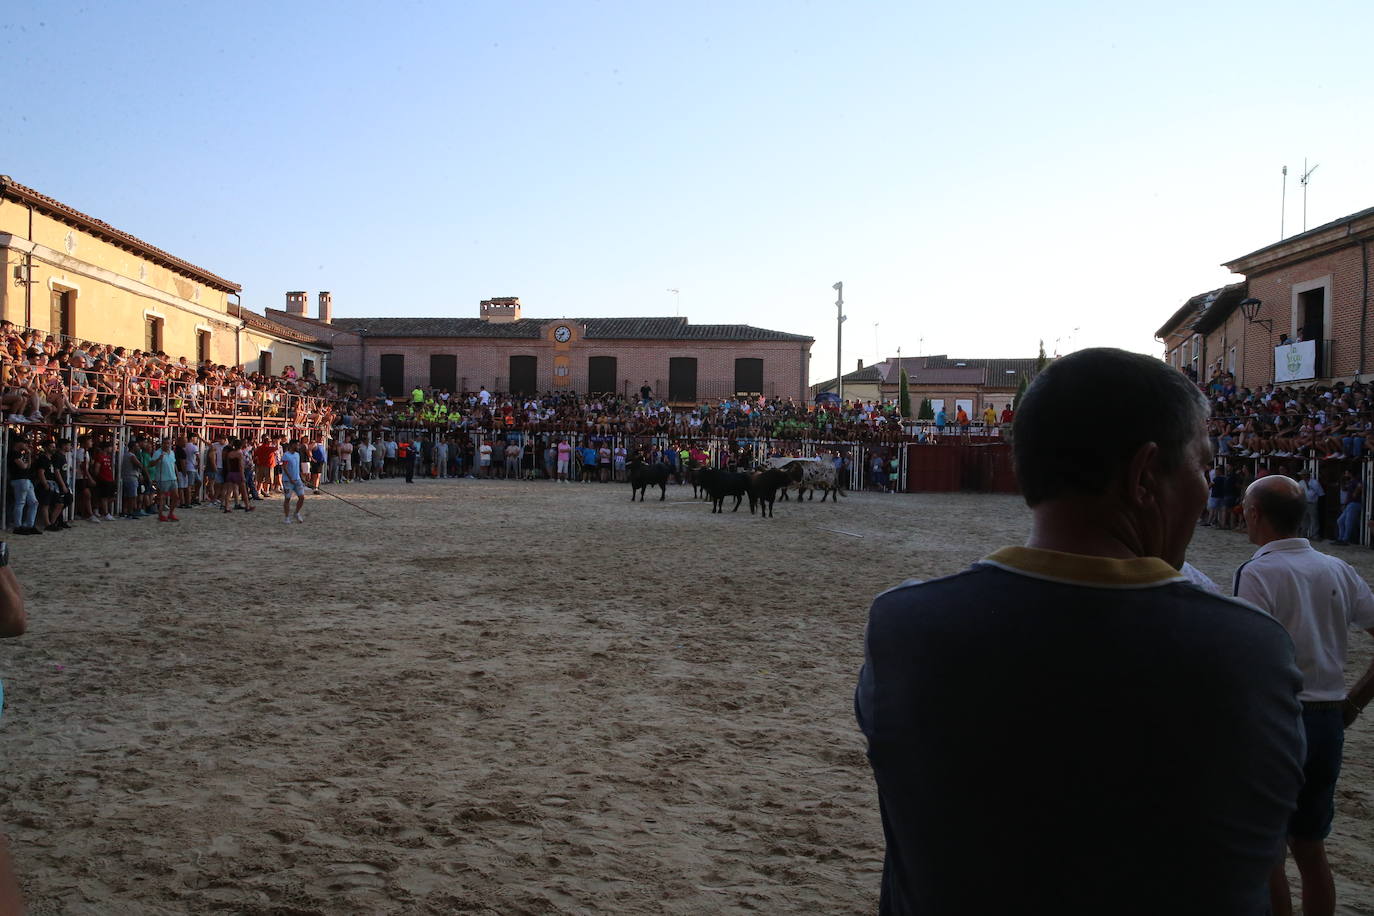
(501, 310)
(295, 303)
(861, 365)
(326, 307)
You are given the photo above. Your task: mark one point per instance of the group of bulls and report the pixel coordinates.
(761, 487)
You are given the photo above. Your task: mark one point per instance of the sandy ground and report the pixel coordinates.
(500, 698)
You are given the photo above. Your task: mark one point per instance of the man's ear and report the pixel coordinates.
(1142, 475)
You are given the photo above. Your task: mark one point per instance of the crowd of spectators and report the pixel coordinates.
(619, 414)
(49, 380)
(1311, 433)
(1322, 422)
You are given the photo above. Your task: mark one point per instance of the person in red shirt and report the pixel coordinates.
(102, 469)
(1008, 415)
(264, 459)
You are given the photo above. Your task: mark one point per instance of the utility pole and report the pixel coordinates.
(839, 331)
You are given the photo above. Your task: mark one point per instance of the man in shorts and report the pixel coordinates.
(1318, 598)
(565, 452)
(164, 465)
(484, 457)
(292, 483)
(264, 459)
(365, 451)
(132, 475)
(318, 456)
(103, 474)
(214, 469)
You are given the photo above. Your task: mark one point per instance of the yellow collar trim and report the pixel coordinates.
(1080, 569)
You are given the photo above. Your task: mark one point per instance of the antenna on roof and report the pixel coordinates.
(1305, 180)
(1283, 201)
(677, 312)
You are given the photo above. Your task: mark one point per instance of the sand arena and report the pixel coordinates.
(501, 698)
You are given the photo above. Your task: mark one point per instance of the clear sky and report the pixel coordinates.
(980, 176)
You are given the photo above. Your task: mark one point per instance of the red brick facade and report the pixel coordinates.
(1325, 269)
(485, 360)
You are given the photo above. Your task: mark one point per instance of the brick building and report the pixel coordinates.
(1310, 323)
(504, 351)
(948, 382)
(71, 275)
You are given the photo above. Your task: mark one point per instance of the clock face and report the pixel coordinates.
(562, 333)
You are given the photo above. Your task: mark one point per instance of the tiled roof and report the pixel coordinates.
(678, 329)
(58, 210)
(942, 376)
(997, 369)
(866, 375)
(277, 329)
(441, 327)
(946, 370)
(1204, 308)
(532, 328)
(1223, 303)
(1310, 233)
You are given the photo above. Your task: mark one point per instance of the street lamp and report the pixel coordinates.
(839, 332)
(1250, 309)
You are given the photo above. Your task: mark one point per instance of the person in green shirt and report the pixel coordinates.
(418, 395)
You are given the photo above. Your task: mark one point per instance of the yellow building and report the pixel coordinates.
(69, 274)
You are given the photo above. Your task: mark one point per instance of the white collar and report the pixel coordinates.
(1283, 544)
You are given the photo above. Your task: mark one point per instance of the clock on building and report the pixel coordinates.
(562, 333)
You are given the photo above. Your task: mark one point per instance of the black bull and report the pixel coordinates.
(643, 476)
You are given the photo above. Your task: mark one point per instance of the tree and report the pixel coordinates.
(927, 410)
(904, 404)
(1040, 358)
(1021, 389)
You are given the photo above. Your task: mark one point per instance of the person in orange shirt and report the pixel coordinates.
(265, 457)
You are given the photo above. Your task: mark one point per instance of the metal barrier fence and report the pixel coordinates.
(720, 450)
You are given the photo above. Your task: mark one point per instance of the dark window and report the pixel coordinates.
(1312, 314)
(61, 321)
(202, 346)
(307, 368)
(152, 334)
(748, 376)
(443, 371)
(601, 372)
(393, 374)
(265, 362)
(524, 373)
(682, 379)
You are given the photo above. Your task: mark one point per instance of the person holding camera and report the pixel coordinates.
(21, 484)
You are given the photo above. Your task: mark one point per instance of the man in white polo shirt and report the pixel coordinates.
(1319, 599)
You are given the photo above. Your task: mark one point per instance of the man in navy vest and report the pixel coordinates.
(1071, 726)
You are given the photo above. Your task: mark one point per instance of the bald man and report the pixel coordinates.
(1319, 599)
